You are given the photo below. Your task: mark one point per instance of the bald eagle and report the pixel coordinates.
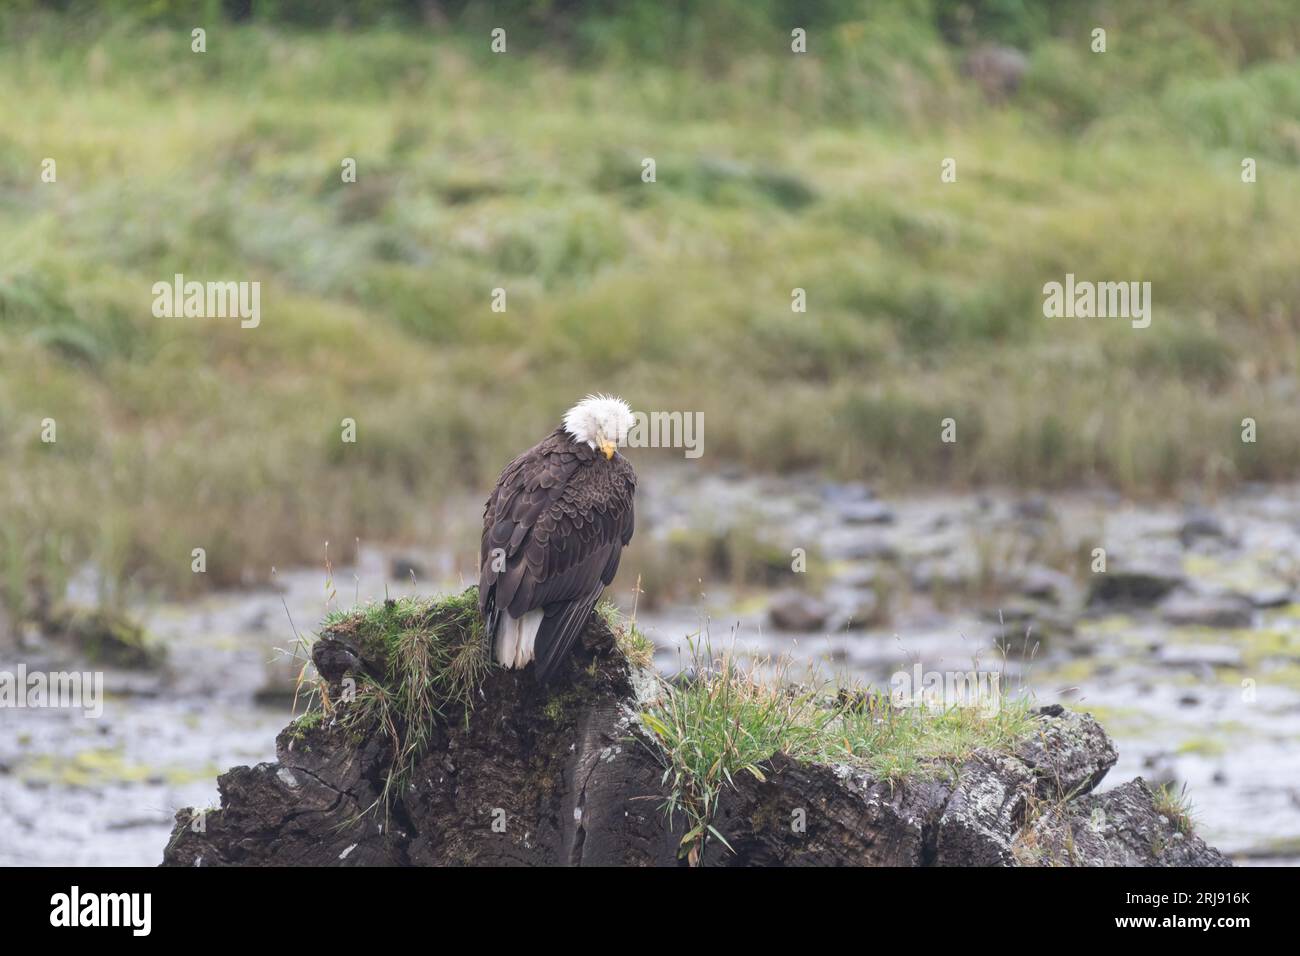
(553, 531)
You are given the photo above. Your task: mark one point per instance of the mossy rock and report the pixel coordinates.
(565, 773)
(106, 637)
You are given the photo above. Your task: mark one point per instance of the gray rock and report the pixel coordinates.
(866, 512)
(404, 568)
(106, 637)
(1207, 610)
(567, 787)
(1026, 619)
(1032, 508)
(867, 548)
(258, 622)
(1198, 656)
(583, 786)
(859, 609)
(1072, 747)
(1267, 596)
(1045, 584)
(858, 576)
(1122, 827)
(940, 574)
(1200, 523)
(852, 818)
(796, 611)
(979, 823)
(134, 683)
(848, 491)
(1132, 587)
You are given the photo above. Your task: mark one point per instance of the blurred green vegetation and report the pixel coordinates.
(775, 171)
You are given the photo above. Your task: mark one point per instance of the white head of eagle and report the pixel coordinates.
(602, 421)
(554, 529)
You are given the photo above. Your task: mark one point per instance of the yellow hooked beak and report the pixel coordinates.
(608, 448)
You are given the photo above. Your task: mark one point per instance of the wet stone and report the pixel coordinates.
(796, 611)
(859, 547)
(1207, 610)
(404, 568)
(1198, 524)
(858, 609)
(1045, 584)
(1033, 508)
(1132, 587)
(1199, 655)
(1270, 596)
(866, 512)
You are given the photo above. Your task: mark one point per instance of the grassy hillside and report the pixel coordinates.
(522, 171)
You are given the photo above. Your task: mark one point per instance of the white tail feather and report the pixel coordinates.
(515, 638)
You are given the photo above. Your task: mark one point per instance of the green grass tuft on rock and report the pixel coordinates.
(436, 657)
(1175, 804)
(722, 720)
(636, 648)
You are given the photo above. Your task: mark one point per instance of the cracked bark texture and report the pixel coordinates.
(560, 775)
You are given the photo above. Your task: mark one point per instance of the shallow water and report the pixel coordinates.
(82, 791)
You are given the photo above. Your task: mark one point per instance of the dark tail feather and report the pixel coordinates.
(561, 626)
(491, 616)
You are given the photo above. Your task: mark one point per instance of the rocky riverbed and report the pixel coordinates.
(1186, 647)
